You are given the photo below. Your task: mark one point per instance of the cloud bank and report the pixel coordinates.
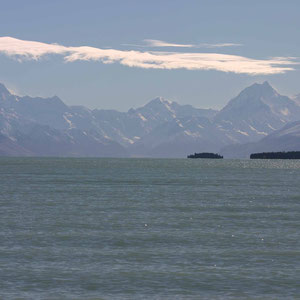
(31, 50)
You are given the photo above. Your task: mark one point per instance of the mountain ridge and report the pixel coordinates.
(160, 128)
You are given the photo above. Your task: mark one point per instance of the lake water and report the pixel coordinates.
(149, 229)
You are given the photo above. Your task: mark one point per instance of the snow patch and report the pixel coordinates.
(258, 132)
(194, 135)
(242, 132)
(142, 117)
(65, 116)
(179, 124)
(270, 127)
(167, 106)
(285, 112)
(127, 140)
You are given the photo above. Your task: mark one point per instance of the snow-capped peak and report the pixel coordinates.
(4, 92)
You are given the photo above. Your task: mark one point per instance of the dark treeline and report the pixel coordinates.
(276, 155)
(204, 155)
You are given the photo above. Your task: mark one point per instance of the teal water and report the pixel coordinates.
(149, 229)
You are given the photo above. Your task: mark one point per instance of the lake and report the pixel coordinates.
(95, 228)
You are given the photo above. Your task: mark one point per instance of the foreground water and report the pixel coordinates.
(149, 229)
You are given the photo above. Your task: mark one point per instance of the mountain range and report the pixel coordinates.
(258, 118)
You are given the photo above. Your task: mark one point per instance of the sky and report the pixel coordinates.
(121, 54)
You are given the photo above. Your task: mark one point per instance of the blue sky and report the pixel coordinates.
(264, 30)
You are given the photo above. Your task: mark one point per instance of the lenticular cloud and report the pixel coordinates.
(31, 50)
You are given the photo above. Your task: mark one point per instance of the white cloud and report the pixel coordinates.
(158, 43)
(30, 50)
(220, 45)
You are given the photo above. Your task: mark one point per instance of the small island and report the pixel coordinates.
(276, 155)
(205, 155)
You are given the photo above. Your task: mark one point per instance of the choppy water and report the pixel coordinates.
(149, 229)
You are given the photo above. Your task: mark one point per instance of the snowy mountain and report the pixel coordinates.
(257, 111)
(161, 128)
(128, 128)
(179, 136)
(40, 127)
(254, 113)
(285, 139)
